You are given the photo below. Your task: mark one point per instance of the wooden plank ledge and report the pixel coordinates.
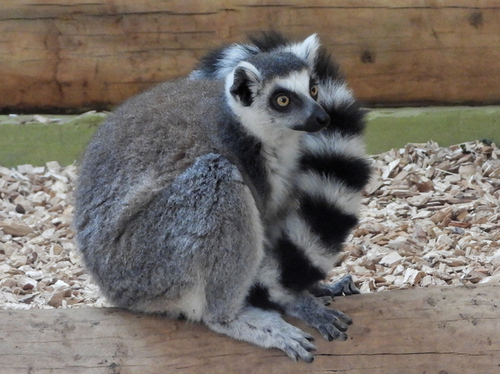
(434, 330)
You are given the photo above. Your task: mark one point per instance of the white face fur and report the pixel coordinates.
(274, 106)
(279, 105)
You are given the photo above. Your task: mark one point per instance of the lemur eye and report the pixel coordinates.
(314, 90)
(283, 100)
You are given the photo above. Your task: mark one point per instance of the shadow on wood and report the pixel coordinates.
(437, 330)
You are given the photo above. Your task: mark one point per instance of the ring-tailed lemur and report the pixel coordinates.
(181, 187)
(330, 174)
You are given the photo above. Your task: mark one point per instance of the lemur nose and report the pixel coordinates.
(318, 120)
(323, 119)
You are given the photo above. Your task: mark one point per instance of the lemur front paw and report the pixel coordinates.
(345, 286)
(330, 323)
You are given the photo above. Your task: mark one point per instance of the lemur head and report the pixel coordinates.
(277, 91)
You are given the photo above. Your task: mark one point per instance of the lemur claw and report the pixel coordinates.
(345, 286)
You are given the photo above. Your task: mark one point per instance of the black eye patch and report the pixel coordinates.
(313, 88)
(284, 100)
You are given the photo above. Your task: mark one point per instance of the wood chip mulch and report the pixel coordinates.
(430, 216)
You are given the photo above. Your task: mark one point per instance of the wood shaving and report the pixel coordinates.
(430, 217)
(39, 264)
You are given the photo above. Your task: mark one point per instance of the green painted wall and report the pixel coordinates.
(393, 128)
(25, 140)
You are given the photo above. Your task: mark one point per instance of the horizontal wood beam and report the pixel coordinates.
(91, 54)
(434, 330)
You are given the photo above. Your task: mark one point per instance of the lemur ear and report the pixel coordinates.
(246, 80)
(308, 49)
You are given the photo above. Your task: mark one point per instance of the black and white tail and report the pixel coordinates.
(331, 172)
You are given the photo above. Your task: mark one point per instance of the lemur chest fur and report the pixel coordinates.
(281, 162)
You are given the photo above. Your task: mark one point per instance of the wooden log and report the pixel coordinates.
(436, 330)
(71, 55)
